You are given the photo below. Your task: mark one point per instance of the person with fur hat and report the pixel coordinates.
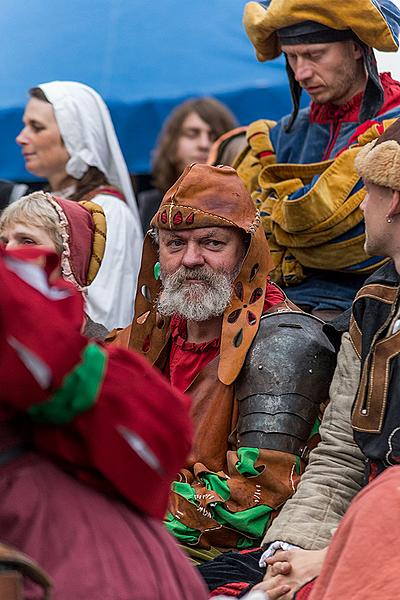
(90, 440)
(206, 316)
(299, 170)
(359, 434)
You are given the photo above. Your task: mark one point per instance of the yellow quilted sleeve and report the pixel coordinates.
(99, 238)
(304, 231)
(258, 153)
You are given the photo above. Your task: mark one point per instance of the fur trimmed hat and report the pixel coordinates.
(379, 161)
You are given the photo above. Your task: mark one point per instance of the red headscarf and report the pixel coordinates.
(77, 231)
(136, 433)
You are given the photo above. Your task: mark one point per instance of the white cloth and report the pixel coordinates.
(88, 132)
(110, 298)
(274, 547)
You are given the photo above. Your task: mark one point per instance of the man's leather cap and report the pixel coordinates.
(207, 196)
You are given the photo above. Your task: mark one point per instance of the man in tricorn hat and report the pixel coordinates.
(309, 204)
(359, 433)
(256, 368)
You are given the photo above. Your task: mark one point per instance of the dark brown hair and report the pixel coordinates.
(213, 112)
(93, 177)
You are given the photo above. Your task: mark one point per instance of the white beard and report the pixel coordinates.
(195, 301)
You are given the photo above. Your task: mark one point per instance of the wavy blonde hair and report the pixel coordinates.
(34, 209)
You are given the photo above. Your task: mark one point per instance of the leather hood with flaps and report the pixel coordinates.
(207, 196)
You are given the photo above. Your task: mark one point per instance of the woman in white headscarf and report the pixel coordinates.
(69, 139)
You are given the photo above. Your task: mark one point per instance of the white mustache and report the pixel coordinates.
(190, 302)
(184, 274)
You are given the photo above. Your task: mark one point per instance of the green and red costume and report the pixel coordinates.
(105, 417)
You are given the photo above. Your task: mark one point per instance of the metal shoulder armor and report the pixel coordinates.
(285, 377)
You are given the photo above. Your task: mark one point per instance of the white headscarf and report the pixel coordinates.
(88, 132)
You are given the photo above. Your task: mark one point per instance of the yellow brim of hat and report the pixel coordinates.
(361, 16)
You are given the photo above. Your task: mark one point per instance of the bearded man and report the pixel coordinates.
(301, 170)
(207, 317)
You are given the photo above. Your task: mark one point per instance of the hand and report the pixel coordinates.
(289, 570)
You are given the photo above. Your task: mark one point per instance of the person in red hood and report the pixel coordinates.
(76, 231)
(86, 458)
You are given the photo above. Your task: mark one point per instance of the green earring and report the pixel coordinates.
(157, 270)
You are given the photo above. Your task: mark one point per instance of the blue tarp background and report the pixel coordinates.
(143, 57)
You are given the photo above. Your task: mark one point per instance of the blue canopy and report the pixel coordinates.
(143, 57)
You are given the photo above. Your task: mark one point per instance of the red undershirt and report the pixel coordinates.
(187, 359)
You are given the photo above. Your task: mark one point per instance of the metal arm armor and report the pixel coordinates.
(286, 376)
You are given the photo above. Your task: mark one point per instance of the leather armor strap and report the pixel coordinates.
(275, 441)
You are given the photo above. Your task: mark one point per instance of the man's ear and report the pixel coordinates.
(394, 208)
(357, 50)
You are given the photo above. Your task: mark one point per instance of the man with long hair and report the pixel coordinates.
(186, 137)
